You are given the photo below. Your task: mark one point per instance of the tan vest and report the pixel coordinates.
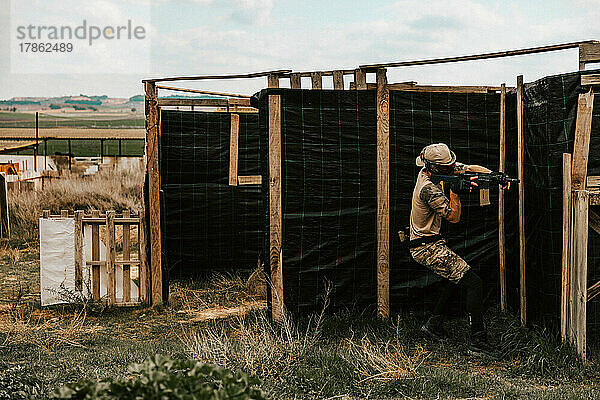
(424, 220)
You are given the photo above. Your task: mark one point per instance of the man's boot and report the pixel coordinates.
(434, 329)
(479, 345)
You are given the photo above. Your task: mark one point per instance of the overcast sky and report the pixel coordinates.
(192, 37)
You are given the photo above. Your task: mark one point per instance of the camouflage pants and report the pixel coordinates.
(440, 259)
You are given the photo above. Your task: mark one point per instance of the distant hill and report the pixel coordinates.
(80, 102)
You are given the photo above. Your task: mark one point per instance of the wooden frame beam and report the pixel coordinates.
(502, 168)
(233, 149)
(211, 77)
(152, 164)
(360, 79)
(383, 195)
(579, 271)
(202, 92)
(275, 208)
(566, 246)
(590, 79)
(520, 168)
(168, 102)
(581, 147)
(481, 56)
(588, 53)
(317, 80)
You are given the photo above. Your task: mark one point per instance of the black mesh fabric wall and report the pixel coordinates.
(469, 124)
(550, 107)
(329, 198)
(208, 225)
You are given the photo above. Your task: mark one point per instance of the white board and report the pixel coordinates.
(57, 260)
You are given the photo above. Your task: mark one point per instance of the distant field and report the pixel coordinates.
(71, 120)
(73, 133)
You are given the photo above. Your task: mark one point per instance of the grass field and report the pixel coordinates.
(222, 320)
(72, 120)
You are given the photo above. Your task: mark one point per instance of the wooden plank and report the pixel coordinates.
(210, 77)
(595, 197)
(594, 221)
(590, 79)
(250, 180)
(233, 149)
(202, 91)
(583, 128)
(126, 257)
(502, 168)
(566, 247)
(481, 56)
(338, 80)
(360, 79)
(64, 213)
(295, 81)
(110, 258)
(79, 250)
(193, 102)
(593, 182)
(143, 268)
(238, 102)
(316, 80)
(383, 195)
(593, 291)
(579, 270)
(443, 89)
(273, 81)
(4, 215)
(275, 208)
(589, 52)
(96, 256)
(520, 161)
(154, 195)
(46, 214)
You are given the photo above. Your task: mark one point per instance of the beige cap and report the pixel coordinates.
(437, 153)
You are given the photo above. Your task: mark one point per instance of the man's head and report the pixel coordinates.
(437, 158)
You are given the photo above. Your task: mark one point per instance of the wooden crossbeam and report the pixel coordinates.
(202, 91)
(211, 77)
(590, 79)
(481, 56)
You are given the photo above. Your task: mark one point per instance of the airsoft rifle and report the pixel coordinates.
(468, 182)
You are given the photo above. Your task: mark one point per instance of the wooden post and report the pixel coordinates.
(581, 58)
(579, 269)
(360, 79)
(338, 80)
(273, 81)
(126, 257)
(275, 207)
(383, 195)
(233, 149)
(581, 146)
(79, 250)
(143, 272)
(566, 247)
(579, 239)
(317, 80)
(502, 168)
(154, 192)
(46, 214)
(110, 258)
(4, 217)
(64, 213)
(295, 81)
(520, 161)
(96, 257)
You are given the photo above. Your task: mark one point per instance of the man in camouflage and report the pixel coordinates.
(429, 206)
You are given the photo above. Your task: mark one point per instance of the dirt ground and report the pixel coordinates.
(223, 321)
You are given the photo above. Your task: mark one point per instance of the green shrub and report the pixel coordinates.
(162, 377)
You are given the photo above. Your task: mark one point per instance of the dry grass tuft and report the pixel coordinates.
(116, 189)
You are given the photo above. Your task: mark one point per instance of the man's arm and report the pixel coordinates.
(459, 168)
(449, 209)
(455, 207)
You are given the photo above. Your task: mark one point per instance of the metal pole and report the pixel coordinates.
(35, 149)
